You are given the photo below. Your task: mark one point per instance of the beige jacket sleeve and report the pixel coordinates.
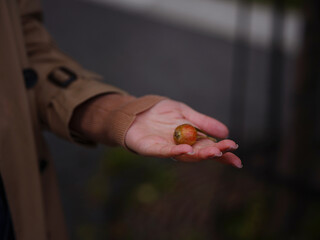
(63, 84)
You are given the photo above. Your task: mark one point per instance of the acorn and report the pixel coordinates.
(188, 134)
(185, 134)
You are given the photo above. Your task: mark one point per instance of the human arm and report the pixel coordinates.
(99, 112)
(151, 131)
(55, 103)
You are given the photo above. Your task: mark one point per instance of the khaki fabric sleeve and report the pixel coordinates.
(56, 103)
(108, 122)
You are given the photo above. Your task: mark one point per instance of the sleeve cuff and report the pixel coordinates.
(121, 119)
(61, 107)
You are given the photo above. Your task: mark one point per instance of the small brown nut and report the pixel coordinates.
(185, 134)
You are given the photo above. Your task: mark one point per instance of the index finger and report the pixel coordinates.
(205, 123)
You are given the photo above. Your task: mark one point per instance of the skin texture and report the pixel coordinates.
(151, 132)
(151, 135)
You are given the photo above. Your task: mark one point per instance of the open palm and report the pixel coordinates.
(151, 134)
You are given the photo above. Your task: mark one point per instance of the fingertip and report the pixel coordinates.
(227, 145)
(182, 149)
(237, 163)
(223, 130)
(231, 159)
(208, 124)
(226, 132)
(211, 152)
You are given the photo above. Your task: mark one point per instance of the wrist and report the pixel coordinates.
(107, 118)
(88, 118)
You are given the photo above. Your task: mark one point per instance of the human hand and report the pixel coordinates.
(151, 134)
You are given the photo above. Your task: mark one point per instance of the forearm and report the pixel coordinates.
(56, 96)
(89, 118)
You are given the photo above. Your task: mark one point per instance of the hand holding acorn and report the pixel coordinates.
(155, 133)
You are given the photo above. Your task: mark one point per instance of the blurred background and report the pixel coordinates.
(253, 64)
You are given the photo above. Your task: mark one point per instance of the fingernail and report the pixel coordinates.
(240, 165)
(191, 153)
(217, 155)
(233, 148)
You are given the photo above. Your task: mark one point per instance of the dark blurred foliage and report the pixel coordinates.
(147, 198)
